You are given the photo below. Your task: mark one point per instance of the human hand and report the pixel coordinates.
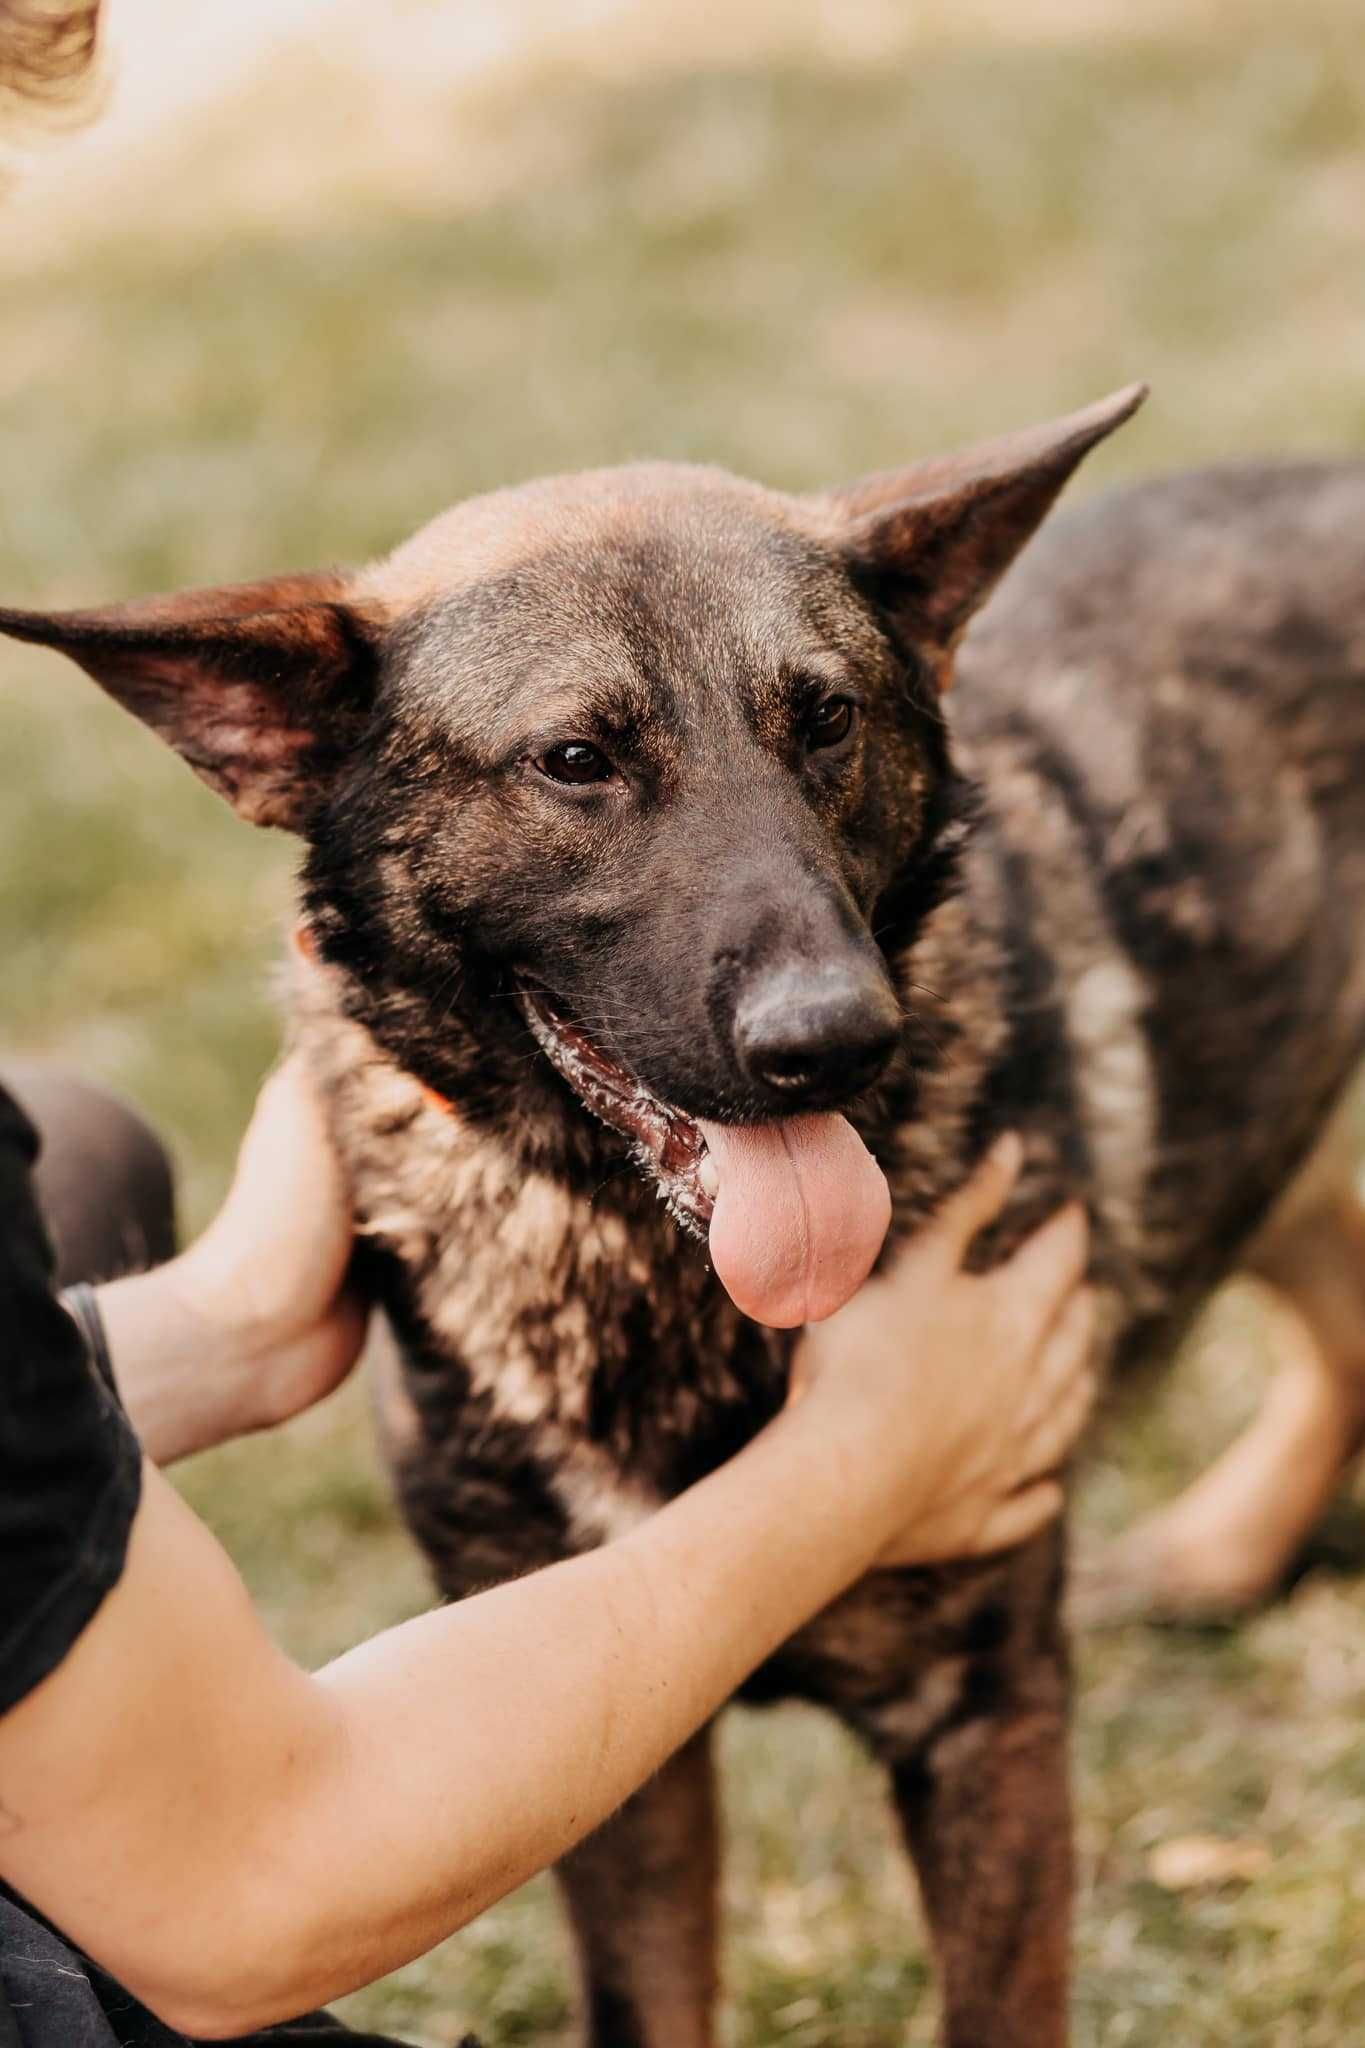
(254, 1322)
(270, 1270)
(967, 1391)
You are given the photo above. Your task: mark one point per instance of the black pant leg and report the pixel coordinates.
(104, 1179)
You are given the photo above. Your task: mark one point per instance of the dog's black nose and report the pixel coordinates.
(816, 1032)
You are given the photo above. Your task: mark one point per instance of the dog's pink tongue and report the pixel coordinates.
(800, 1216)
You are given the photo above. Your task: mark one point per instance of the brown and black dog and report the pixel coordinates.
(644, 854)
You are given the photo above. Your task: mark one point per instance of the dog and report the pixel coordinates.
(649, 855)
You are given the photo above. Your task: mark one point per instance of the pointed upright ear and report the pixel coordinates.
(263, 687)
(932, 541)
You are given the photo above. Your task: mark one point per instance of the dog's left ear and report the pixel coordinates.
(263, 687)
(932, 541)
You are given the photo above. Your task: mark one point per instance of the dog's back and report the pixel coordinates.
(1166, 707)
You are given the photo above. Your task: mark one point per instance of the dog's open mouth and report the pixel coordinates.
(669, 1144)
(796, 1209)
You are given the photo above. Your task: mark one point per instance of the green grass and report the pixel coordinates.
(801, 273)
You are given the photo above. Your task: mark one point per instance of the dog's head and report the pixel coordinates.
(644, 761)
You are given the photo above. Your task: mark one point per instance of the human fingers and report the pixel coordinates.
(1020, 1516)
(1070, 1385)
(288, 1158)
(1033, 1284)
(282, 1239)
(1047, 1447)
(981, 1198)
(1064, 1357)
(287, 1136)
(1036, 1442)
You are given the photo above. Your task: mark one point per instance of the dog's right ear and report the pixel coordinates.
(263, 687)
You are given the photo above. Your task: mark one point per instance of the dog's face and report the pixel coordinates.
(645, 750)
(644, 760)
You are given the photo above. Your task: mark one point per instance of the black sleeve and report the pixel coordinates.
(70, 1467)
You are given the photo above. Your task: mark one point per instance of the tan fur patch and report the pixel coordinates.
(489, 536)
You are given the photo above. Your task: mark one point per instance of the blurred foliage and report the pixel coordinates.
(799, 272)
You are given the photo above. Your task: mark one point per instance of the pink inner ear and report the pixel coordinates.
(262, 688)
(258, 768)
(940, 534)
(240, 737)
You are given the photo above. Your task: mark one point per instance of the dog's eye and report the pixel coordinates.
(830, 722)
(576, 761)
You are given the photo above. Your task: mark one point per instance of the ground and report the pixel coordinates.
(317, 313)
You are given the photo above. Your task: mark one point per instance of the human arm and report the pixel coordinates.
(237, 1840)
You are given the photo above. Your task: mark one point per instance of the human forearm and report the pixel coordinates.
(464, 1751)
(322, 1829)
(325, 1830)
(567, 1690)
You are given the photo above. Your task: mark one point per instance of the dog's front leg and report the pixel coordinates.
(986, 1810)
(641, 1894)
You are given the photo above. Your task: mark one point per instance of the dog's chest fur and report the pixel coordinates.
(542, 1326)
(562, 1362)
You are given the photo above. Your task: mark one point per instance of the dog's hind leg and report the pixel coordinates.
(1227, 1542)
(641, 1895)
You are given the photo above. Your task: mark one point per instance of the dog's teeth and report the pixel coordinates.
(708, 1176)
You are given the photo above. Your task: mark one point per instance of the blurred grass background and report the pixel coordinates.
(802, 241)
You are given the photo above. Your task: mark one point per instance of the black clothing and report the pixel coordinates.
(70, 1479)
(59, 1999)
(70, 1469)
(104, 1181)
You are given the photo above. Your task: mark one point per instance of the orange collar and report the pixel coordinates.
(306, 946)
